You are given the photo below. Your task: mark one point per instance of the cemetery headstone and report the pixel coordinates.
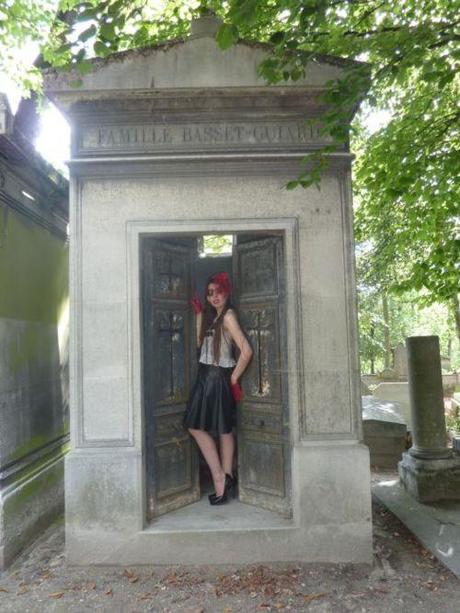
(384, 431)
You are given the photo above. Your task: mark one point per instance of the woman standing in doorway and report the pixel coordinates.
(211, 407)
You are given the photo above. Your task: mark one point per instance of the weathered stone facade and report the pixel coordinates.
(34, 428)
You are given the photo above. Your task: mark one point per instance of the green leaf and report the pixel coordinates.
(245, 12)
(115, 7)
(80, 55)
(84, 67)
(107, 31)
(227, 35)
(310, 8)
(446, 79)
(87, 14)
(277, 38)
(297, 73)
(100, 49)
(64, 48)
(88, 33)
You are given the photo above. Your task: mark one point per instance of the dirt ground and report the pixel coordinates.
(404, 577)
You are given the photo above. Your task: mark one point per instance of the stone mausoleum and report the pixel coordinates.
(171, 144)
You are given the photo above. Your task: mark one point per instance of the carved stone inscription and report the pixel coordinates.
(198, 136)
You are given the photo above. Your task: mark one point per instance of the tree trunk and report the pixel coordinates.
(457, 314)
(386, 330)
(372, 349)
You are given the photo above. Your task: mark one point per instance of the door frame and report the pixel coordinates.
(288, 228)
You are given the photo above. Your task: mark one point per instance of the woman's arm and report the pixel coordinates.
(231, 324)
(198, 310)
(198, 320)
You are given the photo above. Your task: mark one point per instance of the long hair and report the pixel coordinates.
(208, 323)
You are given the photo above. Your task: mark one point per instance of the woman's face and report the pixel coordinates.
(216, 296)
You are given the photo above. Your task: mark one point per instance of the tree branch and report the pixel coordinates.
(369, 12)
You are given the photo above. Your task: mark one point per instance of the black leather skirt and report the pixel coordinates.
(211, 406)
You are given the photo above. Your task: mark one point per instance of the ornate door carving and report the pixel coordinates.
(263, 430)
(171, 462)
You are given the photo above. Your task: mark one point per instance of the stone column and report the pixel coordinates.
(426, 397)
(429, 471)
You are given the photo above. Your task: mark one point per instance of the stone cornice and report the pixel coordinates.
(231, 164)
(37, 175)
(32, 187)
(234, 100)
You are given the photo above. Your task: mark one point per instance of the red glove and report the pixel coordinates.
(237, 392)
(196, 304)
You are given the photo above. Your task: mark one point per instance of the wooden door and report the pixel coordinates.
(172, 478)
(263, 430)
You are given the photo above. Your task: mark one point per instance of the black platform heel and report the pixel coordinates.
(232, 487)
(229, 488)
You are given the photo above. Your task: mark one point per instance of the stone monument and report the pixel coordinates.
(429, 470)
(396, 391)
(400, 361)
(171, 143)
(385, 432)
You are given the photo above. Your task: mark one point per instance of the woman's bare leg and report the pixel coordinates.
(208, 449)
(227, 449)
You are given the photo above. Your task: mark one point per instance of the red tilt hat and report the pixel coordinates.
(223, 281)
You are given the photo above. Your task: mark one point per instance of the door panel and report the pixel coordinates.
(171, 462)
(263, 435)
(257, 269)
(172, 331)
(260, 322)
(258, 455)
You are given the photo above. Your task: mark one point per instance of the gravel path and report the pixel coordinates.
(404, 578)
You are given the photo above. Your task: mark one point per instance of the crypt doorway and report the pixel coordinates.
(172, 268)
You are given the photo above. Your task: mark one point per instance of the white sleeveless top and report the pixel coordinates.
(226, 359)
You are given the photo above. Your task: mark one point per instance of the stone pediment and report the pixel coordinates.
(195, 63)
(189, 96)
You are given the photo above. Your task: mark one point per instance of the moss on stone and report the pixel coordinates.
(35, 443)
(35, 486)
(33, 272)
